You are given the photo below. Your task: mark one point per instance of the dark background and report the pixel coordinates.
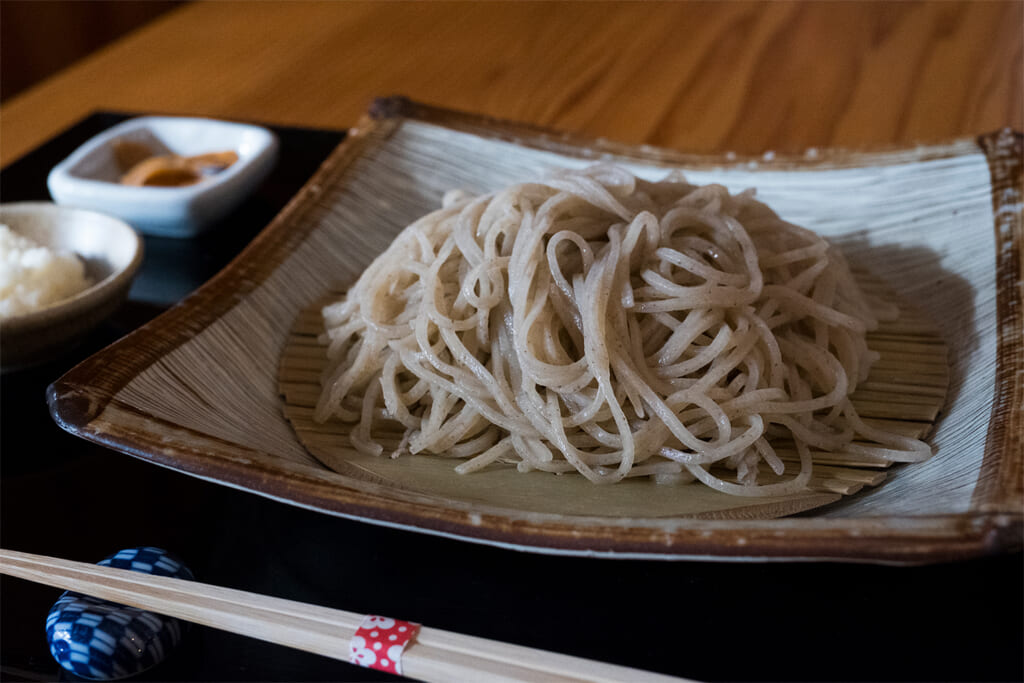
(61, 496)
(39, 38)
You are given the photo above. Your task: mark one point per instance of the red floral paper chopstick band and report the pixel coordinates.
(379, 643)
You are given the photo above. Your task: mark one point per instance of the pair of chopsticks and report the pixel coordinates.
(434, 655)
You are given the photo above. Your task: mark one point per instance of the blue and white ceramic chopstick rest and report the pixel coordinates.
(102, 640)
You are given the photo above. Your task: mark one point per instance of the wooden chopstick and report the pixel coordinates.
(434, 655)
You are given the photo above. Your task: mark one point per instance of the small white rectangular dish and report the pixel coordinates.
(90, 177)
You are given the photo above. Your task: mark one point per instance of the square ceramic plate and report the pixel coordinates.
(197, 389)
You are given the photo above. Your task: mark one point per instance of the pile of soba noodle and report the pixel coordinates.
(597, 323)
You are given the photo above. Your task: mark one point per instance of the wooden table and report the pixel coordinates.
(742, 76)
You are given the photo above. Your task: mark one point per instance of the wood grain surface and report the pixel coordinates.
(748, 77)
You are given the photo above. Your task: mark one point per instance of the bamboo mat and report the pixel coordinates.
(904, 393)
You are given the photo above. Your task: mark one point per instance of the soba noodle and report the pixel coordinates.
(606, 325)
